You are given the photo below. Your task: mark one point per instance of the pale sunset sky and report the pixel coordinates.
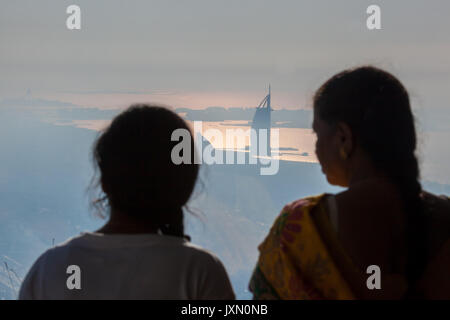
(202, 53)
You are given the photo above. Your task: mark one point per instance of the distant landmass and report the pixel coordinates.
(33, 102)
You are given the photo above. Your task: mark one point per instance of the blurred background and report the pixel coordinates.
(209, 61)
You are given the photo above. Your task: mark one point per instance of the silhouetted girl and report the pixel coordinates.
(141, 252)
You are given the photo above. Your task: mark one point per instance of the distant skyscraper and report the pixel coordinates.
(261, 120)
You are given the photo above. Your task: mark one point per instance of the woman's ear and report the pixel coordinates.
(345, 139)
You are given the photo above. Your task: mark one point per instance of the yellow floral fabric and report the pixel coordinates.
(294, 261)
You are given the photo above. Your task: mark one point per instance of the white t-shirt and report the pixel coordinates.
(127, 266)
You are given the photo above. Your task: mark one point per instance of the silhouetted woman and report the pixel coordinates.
(372, 240)
(141, 252)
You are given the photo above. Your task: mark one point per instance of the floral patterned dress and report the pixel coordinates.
(295, 262)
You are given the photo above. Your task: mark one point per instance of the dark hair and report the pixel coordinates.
(138, 175)
(376, 107)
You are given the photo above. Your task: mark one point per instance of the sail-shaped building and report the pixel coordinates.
(261, 124)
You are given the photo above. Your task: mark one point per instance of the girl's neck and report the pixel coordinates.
(122, 223)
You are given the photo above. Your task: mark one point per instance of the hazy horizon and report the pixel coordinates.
(215, 53)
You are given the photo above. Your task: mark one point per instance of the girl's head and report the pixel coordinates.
(137, 174)
(364, 115)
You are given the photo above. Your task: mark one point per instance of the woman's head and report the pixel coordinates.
(363, 114)
(137, 173)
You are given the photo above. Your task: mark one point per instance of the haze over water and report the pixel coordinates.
(433, 151)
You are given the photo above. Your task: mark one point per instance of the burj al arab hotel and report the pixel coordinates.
(262, 124)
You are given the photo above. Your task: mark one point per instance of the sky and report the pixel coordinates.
(201, 53)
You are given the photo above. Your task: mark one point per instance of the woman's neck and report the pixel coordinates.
(365, 172)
